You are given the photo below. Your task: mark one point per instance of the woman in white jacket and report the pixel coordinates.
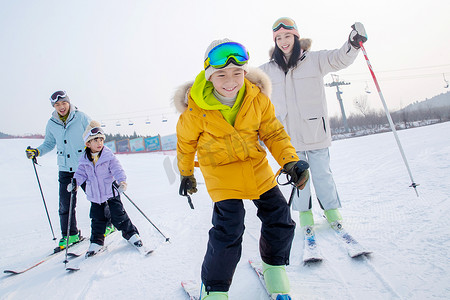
(300, 104)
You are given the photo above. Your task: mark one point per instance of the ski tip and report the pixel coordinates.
(361, 254)
(72, 269)
(311, 261)
(11, 272)
(71, 254)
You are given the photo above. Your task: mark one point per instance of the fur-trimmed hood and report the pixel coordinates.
(305, 45)
(255, 76)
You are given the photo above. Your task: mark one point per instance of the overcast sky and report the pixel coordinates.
(120, 61)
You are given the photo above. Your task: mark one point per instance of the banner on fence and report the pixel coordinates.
(123, 146)
(137, 144)
(152, 143)
(169, 142)
(111, 145)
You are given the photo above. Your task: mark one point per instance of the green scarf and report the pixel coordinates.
(202, 93)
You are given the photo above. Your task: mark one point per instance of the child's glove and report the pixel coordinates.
(122, 187)
(31, 152)
(298, 170)
(71, 188)
(358, 34)
(188, 184)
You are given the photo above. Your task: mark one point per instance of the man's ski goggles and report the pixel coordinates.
(94, 131)
(286, 23)
(56, 95)
(221, 55)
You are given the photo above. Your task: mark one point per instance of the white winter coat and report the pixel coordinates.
(299, 95)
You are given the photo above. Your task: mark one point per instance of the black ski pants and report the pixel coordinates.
(225, 237)
(119, 218)
(64, 179)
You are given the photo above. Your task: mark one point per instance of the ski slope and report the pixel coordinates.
(409, 235)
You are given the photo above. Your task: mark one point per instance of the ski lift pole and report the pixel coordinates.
(388, 115)
(34, 161)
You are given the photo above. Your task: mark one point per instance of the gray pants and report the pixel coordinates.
(322, 179)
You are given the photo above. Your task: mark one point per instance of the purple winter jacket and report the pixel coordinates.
(99, 178)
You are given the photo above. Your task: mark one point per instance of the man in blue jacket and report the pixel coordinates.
(65, 131)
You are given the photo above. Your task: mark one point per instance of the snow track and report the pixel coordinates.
(407, 234)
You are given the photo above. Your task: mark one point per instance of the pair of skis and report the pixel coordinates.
(56, 251)
(72, 265)
(192, 287)
(312, 254)
(76, 264)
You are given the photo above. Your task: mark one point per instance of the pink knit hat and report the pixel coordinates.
(284, 25)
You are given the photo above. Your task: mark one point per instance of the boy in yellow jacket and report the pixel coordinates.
(225, 112)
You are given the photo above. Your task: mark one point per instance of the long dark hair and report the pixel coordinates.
(89, 153)
(278, 56)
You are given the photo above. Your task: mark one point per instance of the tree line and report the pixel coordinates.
(367, 121)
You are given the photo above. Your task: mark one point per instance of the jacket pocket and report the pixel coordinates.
(89, 192)
(61, 159)
(313, 130)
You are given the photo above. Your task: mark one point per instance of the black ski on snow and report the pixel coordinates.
(56, 251)
(76, 265)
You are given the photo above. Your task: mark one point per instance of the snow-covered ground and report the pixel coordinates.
(409, 235)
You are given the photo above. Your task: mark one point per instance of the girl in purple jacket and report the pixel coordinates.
(99, 168)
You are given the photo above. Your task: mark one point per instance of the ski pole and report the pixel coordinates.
(117, 188)
(72, 196)
(291, 197)
(34, 161)
(391, 123)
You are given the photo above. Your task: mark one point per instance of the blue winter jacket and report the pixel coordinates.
(68, 138)
(99, 177)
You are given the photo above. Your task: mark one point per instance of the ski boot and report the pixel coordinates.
(306, 218)
(94, 248)
(277, 282)
(283, 297)
(135, 240)
(72, 240)
(204, 295)
(334, 218)
(109, 229)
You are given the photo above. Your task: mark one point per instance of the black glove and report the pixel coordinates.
(188, 184)
(358, 34)
(298, 170)
(31, 152)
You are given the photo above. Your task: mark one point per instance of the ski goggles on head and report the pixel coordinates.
(57, 95)
(93, 132)
(286, 23)
(221, 55)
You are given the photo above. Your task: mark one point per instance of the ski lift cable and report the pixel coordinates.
(153, 112)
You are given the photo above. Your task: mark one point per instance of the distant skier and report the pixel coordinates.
(300, 104)
(64, 130)
(225, 112)
(99, 168)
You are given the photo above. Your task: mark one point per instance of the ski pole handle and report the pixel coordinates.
(186, 185)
